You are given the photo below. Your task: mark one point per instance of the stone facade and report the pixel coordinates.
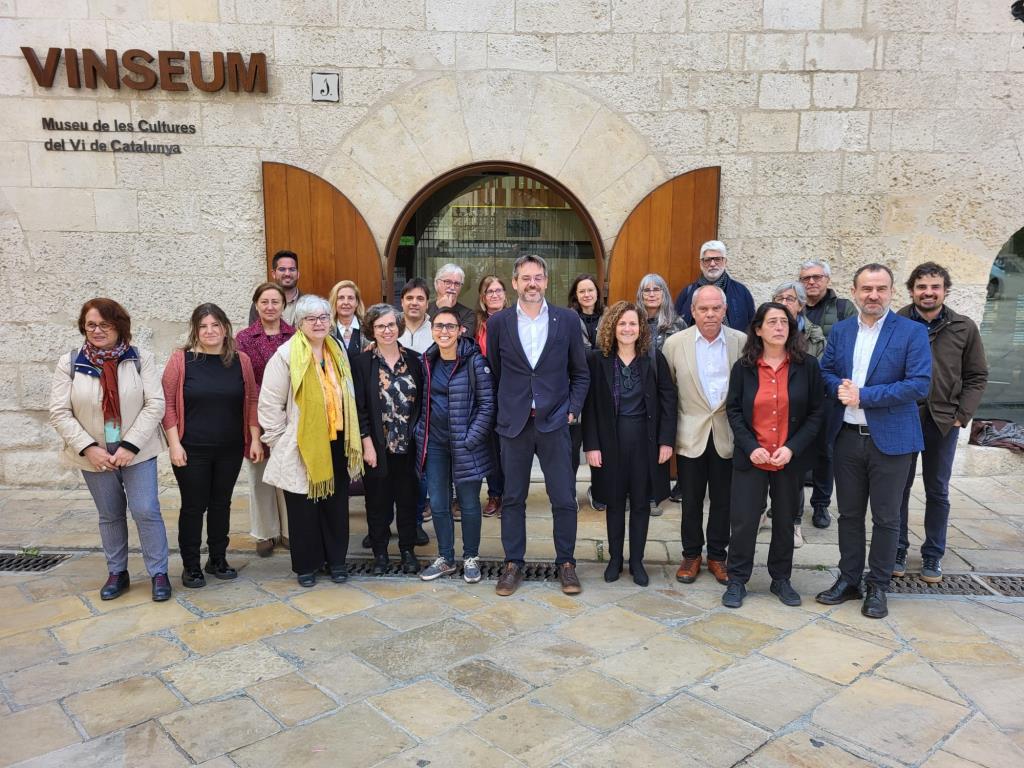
(851, 130)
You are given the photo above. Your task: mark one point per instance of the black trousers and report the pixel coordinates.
(628, 475)
(552, 448)
(319, 529)
(393, 495)
(865, 474)
(206, 483)
(707, 474)
(749, 488)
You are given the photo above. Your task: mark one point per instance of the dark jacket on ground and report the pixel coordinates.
(830, 311)
(471, 407)
(739, 309)
(599, 418)
(806, 412)
(366, 381)
(959, 369)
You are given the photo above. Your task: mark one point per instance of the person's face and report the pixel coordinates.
(712, 264)
(385, 330)
(586, 295)
(316, 327)
(211, 332)
(775, 328)
(530, 283)
(445, 330)
(653, 297)
(872, 293)
(627, 329)
(928, 293)
(269, 306)
(815, 283)
(708, 312)
(345, 305)
(414, 304)
(286, 273)
(448, 287)
(101, 333)
(790, 301)
(494, 297)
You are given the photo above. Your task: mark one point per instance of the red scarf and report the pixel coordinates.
(107, 361)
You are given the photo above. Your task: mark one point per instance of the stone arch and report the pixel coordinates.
(432, 126)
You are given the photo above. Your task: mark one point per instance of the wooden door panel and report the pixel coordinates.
(305, 214)
(664, 233)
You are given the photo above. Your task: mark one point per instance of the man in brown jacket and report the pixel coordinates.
(959, 376)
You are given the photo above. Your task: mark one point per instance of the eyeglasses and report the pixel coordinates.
(451, 283)
(813, 278)
(385, 327)
(650, 289)
(712, 259)
(93, 327)
(445, 326)
(494, 292)
(786, 300)
(532, 278)
(317, 319)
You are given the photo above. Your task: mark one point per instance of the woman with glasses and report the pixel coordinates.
(388, 387)
(106, 403)
(585, 298)
(307, 409)
(347, 316)
(211, 424)
(493, 297)
(652, 294)
(454, 440)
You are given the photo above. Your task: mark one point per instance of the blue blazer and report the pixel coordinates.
(899, 375)
(558, 384)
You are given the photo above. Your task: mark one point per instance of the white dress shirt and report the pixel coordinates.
(418, 340)
(713, 367)
(863, 348)
(533, 334)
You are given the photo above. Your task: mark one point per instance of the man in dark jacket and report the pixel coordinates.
(448, 284)
(714, 258)
(959, 376)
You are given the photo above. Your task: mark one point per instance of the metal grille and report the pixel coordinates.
(23, 563)
(951, 584)
(1011, 586)
(489, 569)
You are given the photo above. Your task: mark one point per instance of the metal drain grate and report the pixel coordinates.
(22, 563)
(489, 569)
(951, 584)
(1010, 586)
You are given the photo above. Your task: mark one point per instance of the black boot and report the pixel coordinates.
(409, 562)
(218, 567)
(381, 564)
(116, 584)
(614, 568)
(640, 577)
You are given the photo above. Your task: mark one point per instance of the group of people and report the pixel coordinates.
(426, 402)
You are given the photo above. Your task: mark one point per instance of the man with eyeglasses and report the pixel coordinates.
(714, 258)
(448, 284)
(285, 272)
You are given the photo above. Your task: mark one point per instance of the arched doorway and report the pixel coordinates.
(482, 217)
(1002, 332)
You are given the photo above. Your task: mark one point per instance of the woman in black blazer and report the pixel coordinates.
(776, 407)
(629, 430)
(388, 380)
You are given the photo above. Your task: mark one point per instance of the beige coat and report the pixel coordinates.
(76, 409)
(695, 417)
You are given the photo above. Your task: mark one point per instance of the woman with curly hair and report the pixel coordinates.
(629, 429)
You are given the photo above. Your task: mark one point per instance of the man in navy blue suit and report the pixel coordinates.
(876, 367)
(540, 368)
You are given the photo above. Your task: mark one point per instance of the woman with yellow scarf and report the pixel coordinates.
(308, 413)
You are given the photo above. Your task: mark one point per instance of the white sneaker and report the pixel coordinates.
(798, 537)
(471, 570)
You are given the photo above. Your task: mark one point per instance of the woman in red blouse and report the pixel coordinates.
(776, 409)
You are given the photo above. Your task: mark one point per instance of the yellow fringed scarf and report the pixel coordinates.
(314, 434)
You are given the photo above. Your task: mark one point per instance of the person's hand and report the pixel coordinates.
(256, 452)
(760, 456)
(572, 417)
(593, 459)
(664, 453)
(369, 453)
(178, 456)
(957, 424)
(446, 300)
(781, 457)
(122, 457)
(99, 458)
(849, 394)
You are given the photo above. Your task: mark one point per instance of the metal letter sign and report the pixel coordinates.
(326, 86)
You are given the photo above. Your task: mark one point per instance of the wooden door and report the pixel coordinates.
(307, 215)
(664, 234)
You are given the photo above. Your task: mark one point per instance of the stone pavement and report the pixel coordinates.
(396, 672)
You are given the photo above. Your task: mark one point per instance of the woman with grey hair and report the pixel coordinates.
(652, 294)
(389, 386)
(792, 296)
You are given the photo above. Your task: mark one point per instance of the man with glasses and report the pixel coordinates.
(285, 272)
(448, 284)
(714, 258)
(539, 364)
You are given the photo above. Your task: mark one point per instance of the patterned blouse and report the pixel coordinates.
(397, 394)
(260, 347)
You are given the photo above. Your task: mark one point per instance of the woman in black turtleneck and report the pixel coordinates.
(585, 298)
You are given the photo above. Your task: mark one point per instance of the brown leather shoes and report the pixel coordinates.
(493, 506)
(265, 547)
(510, 579)
(718, 570)
(688, 570)
(570, 581)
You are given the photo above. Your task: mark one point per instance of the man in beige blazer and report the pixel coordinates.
(701, 358)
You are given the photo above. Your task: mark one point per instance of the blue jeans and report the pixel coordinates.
(936, 468)
(129, 488)
(439, 481)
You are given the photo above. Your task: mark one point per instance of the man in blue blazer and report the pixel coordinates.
(876, 367)
(540, 369)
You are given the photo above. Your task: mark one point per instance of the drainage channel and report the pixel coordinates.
(489, 569)
(21, 562)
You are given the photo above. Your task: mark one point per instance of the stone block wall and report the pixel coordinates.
(851, 130)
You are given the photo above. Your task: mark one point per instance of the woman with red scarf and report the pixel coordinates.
(106, 403)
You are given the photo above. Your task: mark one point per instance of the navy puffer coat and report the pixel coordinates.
(471, 413)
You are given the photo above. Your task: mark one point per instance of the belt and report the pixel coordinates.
(860, 429)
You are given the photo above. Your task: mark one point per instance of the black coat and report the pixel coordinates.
(366, 381)
(355, 344)
(599, 419)
(806, 412)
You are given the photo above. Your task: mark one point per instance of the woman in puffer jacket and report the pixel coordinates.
(453, 440)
